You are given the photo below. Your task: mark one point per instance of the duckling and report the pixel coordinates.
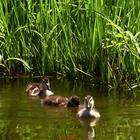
(39, 89)
(88, 111)
(72, 101)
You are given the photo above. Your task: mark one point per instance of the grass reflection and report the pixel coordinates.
(27, 132)
(119, 128)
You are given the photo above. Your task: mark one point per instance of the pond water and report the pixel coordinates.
(25, 118)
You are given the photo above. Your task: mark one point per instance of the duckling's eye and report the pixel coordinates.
(90, 99)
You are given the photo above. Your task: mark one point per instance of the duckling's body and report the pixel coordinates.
(39, 89)
(88, 111)
(33, 89)
(55, 101)
(72, 101)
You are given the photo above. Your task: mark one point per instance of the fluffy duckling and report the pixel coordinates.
(88, 111)
(39, 89)
(72, 101)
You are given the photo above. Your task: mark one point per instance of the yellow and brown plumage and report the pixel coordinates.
(72, 101)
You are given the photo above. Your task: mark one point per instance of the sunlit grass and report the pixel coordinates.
(80, 38)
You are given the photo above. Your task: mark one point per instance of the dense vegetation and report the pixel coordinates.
(78, 38)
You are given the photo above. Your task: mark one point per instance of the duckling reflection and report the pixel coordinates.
(89, 124)
(39, 89)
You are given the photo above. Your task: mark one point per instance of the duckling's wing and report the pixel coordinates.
(95, 113)
(49, 92)
(82, 113)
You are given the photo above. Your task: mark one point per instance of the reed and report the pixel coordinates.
(82, 38)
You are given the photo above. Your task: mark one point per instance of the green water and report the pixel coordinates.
(24, 118)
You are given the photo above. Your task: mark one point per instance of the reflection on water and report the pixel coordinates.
(89, 125)
(24, 118)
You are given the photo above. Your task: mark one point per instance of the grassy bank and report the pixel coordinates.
(79, 38)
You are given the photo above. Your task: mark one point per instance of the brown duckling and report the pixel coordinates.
(72, 101)
(39, 89)
(89, 110)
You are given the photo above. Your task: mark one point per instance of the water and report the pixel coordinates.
(24, 118)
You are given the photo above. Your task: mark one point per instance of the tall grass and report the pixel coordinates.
(82, 38)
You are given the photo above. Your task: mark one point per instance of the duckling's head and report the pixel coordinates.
(89, 102)
(73, 101)
(45, 84)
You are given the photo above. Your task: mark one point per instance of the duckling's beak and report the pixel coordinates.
(89, 105)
